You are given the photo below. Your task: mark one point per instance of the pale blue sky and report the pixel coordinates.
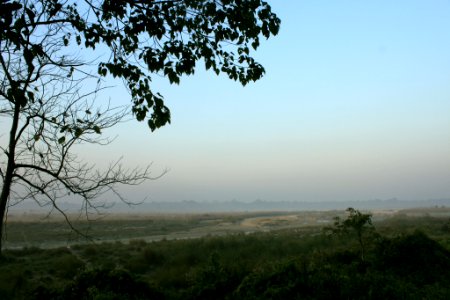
(355, 105)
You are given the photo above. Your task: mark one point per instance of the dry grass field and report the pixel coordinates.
(35, 230)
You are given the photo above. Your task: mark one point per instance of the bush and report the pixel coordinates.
(416, 256)
(12, 280)
(109, 284)
(213, 281)
(66, 266)
(279, 281)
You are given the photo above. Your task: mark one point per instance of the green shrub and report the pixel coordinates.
(66, 266)
(109, 284)
(13, 278)
(415, 256)
(213, 281)
(279, 281)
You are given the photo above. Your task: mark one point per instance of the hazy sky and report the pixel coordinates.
(355, 105)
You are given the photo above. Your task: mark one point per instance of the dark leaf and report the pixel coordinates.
(97, 129)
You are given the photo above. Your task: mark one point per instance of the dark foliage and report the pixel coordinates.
(278, 265)
(414, 256)
(108, 284)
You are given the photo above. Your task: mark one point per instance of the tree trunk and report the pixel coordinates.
(7, 180)
(361, 244)
(3, 202)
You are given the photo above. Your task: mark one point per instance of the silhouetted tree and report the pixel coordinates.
(356, 222)
(48, 86)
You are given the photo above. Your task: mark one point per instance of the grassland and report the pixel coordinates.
(44, 232)
(34, 230)
(276, 255)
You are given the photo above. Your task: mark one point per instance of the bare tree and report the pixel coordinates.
(48, 91)
(49, 102)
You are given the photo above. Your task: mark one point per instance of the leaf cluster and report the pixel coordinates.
(169, 38)
(355, 221)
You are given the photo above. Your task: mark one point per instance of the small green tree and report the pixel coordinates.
(356, 222)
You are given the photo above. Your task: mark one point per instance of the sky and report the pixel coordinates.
(354, 106)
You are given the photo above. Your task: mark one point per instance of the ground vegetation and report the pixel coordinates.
(410, 259)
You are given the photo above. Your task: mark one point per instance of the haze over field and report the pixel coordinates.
(355, 105)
